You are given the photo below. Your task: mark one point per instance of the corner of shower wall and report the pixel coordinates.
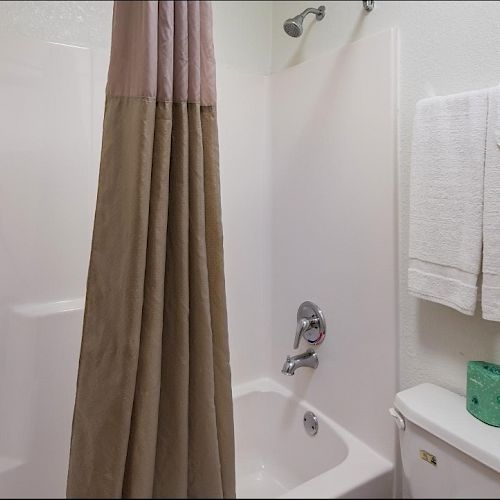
(298, 174)
(243, 98)
(242, 38)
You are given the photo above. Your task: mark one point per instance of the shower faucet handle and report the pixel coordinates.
(310, 324)
(303, 325)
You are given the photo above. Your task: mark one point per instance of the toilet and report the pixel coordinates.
(445, 451)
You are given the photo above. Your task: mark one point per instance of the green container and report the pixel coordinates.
(483, 391)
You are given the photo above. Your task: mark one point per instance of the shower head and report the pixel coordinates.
(293, 26)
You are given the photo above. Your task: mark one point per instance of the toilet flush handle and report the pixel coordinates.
(398, 418)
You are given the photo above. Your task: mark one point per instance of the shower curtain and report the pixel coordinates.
(153, 411)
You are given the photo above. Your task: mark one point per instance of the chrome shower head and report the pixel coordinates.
(293, 26)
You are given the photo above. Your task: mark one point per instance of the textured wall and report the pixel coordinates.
(445, 47)
(242, 30)
(86, 24)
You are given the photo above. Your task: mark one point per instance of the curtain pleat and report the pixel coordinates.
(153, 411)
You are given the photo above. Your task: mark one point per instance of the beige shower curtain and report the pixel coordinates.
(153, 412)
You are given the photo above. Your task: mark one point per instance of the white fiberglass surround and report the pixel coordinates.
(334, 237)
(308, 194)
(51, 97)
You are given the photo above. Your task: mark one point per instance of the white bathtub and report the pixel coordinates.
(276, 458)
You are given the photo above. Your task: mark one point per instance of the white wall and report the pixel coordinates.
(242, 35)
(445, 47)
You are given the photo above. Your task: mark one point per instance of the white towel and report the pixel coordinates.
(490, 296)
(446, 199)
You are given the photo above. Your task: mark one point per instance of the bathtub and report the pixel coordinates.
(276, 458)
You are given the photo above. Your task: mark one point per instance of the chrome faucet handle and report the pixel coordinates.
(310, 324)
(303, 325)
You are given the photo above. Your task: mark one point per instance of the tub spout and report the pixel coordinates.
(308, 358)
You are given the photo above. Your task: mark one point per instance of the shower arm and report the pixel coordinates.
(368, 5)
(320, 13)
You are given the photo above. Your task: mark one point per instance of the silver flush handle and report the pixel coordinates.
(398, 418)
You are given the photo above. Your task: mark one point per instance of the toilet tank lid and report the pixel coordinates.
(444, 414)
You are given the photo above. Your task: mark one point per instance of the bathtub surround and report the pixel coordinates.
(333, 217)
(446, 209)
(153, 411)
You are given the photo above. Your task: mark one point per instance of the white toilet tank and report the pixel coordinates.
(445, 451)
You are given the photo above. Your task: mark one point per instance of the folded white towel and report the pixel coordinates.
(490, 297)
(446, 199)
